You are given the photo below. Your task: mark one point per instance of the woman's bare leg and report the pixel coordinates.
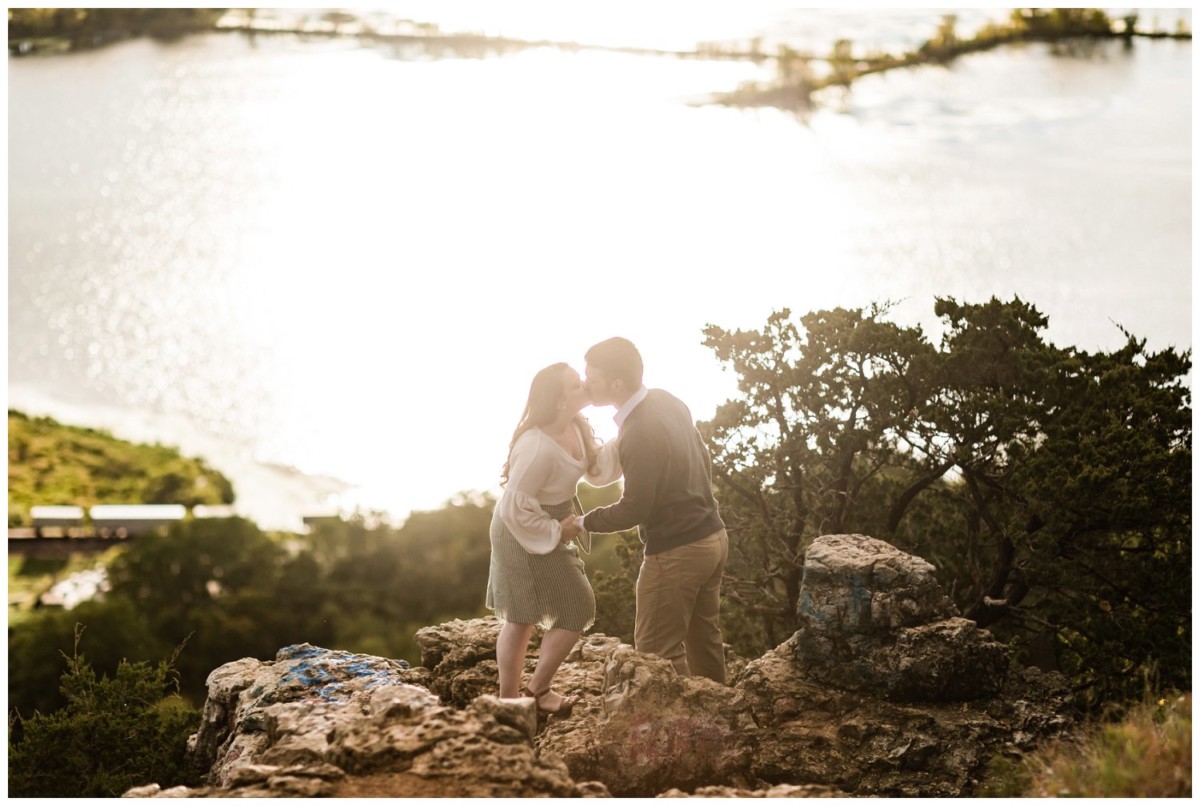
(511, 645)
(556, 645)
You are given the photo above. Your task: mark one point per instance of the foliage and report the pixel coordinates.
(819, 419)
(1050, 486)
(612, 567)
(1147, 753)
(117, 630)
(86, 23)
(794, 85)
(385, 583)
(616, 592)
(114, 733)
(221, 584)
(1062, 21)
(233, 591)
(51, 463)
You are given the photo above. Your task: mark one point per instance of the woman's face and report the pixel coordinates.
(575, 394)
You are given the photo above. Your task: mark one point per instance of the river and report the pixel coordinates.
(333, 269)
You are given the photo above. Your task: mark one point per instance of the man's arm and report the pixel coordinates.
(643, 456)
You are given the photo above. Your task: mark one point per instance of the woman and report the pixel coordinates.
(534, 578)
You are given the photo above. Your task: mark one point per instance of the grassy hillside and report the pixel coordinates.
(52, 463)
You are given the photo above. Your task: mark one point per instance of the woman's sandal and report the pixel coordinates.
(564, 708)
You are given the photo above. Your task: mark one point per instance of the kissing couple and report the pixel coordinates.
(536, 575)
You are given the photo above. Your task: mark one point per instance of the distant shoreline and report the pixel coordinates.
(798, 76)
(428, 35)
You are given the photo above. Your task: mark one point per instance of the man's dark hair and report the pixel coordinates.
(618, 358)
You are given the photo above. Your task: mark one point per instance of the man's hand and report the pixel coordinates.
(569, 529)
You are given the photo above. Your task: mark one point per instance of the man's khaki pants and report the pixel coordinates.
(678, 606)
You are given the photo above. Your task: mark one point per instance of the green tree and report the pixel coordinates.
(612, 567)
(1050, 486)
(826, 410)
(1077, 471)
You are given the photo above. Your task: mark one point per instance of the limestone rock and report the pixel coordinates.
(857, 584)
(279, 712)
(156, 791)
(638, 727)
(860, 743)
(319, 723)
(873, 618)
(461, 657)
(655, 729)
(777, 791)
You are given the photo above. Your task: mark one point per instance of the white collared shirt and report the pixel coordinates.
(629, 405)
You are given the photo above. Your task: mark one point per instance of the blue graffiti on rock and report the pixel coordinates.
(327, 674)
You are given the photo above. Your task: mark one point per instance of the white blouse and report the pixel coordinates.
(540, 472)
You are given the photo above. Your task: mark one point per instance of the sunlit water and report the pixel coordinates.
(317, 255)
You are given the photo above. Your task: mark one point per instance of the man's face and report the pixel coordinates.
(601, 390)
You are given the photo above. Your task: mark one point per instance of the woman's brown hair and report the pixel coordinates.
(542, 409)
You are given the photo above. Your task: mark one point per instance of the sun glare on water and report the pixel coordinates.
(351, 260)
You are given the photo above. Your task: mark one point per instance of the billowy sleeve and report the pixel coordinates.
(529, 468)
(608, 466)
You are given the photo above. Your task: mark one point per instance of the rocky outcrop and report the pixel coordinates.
(315, 722)
(812, 733)
(875, 619)
(884, 690)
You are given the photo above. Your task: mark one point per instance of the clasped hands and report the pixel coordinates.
(570, 529)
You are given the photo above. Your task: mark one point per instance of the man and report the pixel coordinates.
(668, 496)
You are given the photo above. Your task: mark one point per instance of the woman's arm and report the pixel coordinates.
(529, 469)
(607, 466)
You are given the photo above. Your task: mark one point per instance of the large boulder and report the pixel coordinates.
(884, 690)
(856, 584)
(875, 619)
(283, 710)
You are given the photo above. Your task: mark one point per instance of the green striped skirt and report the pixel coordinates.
(546, 589)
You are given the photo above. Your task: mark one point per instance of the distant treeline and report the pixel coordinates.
(85, 25)
(796, 80)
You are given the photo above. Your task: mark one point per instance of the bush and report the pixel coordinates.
(117, 630)
(114, 734)
(1147, 753)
